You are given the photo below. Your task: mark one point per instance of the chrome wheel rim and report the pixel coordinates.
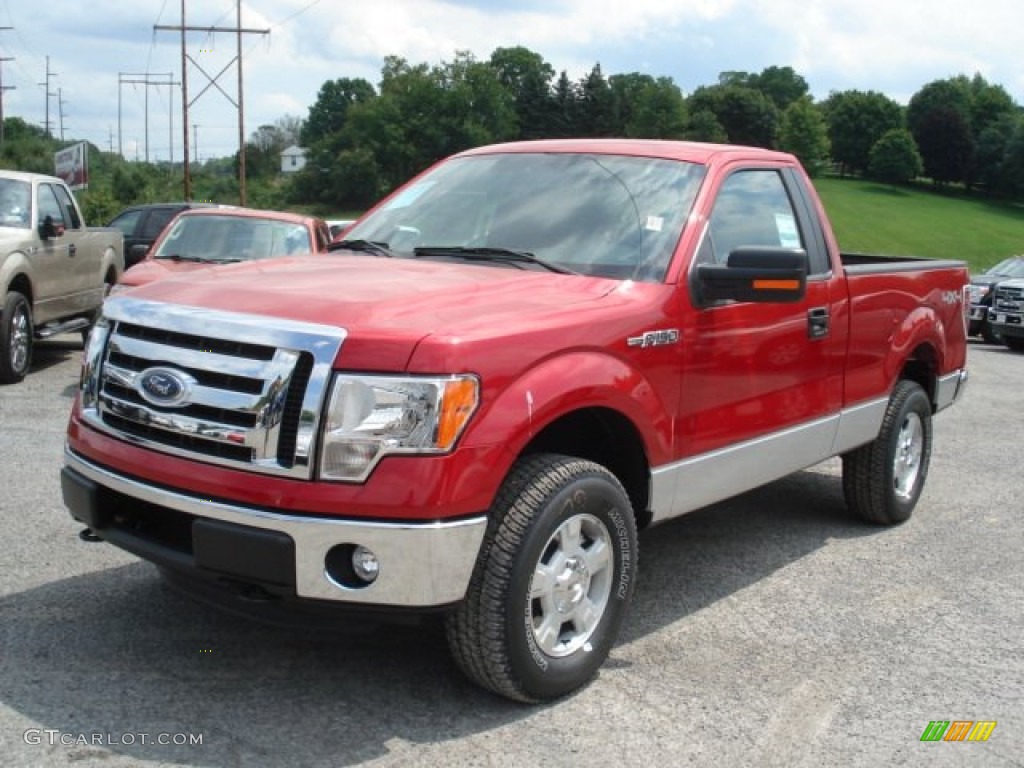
(571, 585)
(909, 452)
(19, 339)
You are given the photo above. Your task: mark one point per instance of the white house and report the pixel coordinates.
(293, 159)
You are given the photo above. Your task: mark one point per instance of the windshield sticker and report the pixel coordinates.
(409, 196)
(789, 236)
(654, 223)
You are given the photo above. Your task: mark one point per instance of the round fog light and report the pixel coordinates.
(365, 564)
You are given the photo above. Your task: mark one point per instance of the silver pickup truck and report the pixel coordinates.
(54, 271)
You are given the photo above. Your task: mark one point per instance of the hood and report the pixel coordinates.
(148, 270)
(385, 297)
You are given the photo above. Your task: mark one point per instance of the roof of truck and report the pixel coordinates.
(688, 151)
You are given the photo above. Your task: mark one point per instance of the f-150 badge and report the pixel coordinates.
(655, 338)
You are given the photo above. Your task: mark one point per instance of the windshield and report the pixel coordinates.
(15, 203)
(1011, 267)
(225, 238)
(603, 215)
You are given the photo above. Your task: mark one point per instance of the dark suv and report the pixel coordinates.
(982, 288)
(142, 224)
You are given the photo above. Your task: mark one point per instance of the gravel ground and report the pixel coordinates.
(771, 630)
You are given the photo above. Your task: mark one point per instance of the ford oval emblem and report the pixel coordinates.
(165, 387)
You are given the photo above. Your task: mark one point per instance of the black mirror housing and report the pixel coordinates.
(760, 274)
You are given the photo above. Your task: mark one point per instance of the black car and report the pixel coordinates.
(982, 287)
(142, 224)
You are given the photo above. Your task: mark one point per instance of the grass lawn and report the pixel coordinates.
(908, 221)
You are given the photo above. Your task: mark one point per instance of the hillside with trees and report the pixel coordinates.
(961, 133)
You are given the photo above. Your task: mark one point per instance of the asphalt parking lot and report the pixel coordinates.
(771, 630)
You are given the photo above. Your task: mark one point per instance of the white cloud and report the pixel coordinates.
(894, 46)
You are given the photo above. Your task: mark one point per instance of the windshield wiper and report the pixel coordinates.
(364, 246)
(492, 254)
(181, 257)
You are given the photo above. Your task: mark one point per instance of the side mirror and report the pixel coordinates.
(755, 273)
(48, 230)
(137, 253)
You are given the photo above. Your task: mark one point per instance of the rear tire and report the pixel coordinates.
(882, 480)
(552, 583)
(16, 338)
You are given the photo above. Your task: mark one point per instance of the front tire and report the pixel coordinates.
(1016, 343)
(553, 581)
(882, 480)
(15, 338)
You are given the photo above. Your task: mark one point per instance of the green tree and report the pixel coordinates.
(704, 126)
(328, 113)
(595, 107)
(527, 77)
(856, 121)
(939, 117)
(805, 133)
(566, 107)
(991, 155)
(747, 115)
(894, 158)
(782, 85)
(659, 111)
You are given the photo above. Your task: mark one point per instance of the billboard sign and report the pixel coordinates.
(72, 165)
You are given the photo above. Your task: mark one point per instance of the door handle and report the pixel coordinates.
(72, 250)
(817, 323)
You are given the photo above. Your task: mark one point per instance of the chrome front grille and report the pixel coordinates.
(1008, 298)
(232, 389)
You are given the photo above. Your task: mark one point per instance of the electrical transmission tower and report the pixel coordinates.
(183, 28)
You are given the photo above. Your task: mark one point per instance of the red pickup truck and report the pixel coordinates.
(530, 352)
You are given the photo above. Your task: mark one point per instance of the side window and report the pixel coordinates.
(68, 205)
(46, 201)
(752, 208)
(154, 225)
(127, 222)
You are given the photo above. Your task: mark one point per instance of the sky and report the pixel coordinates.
(114, 78)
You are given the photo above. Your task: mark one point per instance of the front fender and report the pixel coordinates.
(567, 383)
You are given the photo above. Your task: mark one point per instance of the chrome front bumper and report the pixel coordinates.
(422, 565)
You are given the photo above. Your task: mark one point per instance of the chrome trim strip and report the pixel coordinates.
(235, 366)
(421, 565)
(950, 388)
(701, 480)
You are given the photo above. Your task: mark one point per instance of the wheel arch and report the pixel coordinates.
(922, 367)
(606, 437)
(22, 285)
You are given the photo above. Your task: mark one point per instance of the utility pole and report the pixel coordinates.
(145, 79)
(212, 82)
(60, 111)
(195, 142)
(49, 93)
(3, 88)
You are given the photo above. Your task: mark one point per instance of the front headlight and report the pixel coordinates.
(369, 417)
(978, 292)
